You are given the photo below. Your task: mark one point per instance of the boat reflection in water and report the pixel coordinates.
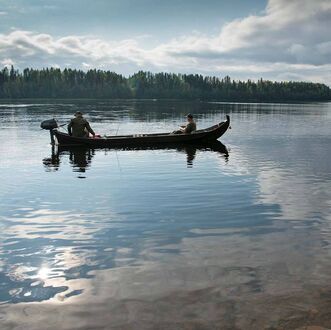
(81, 157)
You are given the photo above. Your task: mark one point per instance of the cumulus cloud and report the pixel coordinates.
(296, 31)
(7, 62)
(289, 40)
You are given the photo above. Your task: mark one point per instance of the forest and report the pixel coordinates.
(100, 84)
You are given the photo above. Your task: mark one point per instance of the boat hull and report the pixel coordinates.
(209, 134)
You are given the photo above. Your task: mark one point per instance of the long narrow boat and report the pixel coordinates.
(205, 135)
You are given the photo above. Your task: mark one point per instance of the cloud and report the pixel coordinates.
(7, 62)
(295, 31)
(289, 40)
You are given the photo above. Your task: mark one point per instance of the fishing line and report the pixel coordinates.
(118, 127)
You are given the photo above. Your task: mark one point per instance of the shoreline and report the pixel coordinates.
(166, 100)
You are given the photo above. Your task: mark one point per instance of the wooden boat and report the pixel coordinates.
(200, 136)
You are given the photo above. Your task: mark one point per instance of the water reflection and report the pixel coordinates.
(239, 242)
(81, 157)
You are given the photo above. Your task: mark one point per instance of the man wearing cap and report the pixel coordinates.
(189, 127)
(79, 126)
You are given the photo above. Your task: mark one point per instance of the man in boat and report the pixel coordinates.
(79, 126)
(189, 127)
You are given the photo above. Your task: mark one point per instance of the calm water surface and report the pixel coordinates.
(172, 238)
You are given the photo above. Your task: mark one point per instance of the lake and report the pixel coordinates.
(182, 238)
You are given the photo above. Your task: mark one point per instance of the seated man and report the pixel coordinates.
(189, 127)
(79, 126)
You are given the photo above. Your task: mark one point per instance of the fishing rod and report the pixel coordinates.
(118, 127)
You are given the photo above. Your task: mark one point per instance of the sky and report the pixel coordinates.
(245, 39)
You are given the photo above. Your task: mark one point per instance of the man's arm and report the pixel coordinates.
(90, 130)
(188, 128)
(69, 128)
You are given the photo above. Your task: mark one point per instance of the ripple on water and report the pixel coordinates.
(187, 233)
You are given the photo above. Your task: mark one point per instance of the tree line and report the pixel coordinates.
(72, 83)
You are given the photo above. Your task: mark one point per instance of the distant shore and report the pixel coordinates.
(69, 99)
(54, 83)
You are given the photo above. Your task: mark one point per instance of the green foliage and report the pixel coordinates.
(68, 83)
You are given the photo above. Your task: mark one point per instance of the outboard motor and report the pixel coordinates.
(49, 125)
